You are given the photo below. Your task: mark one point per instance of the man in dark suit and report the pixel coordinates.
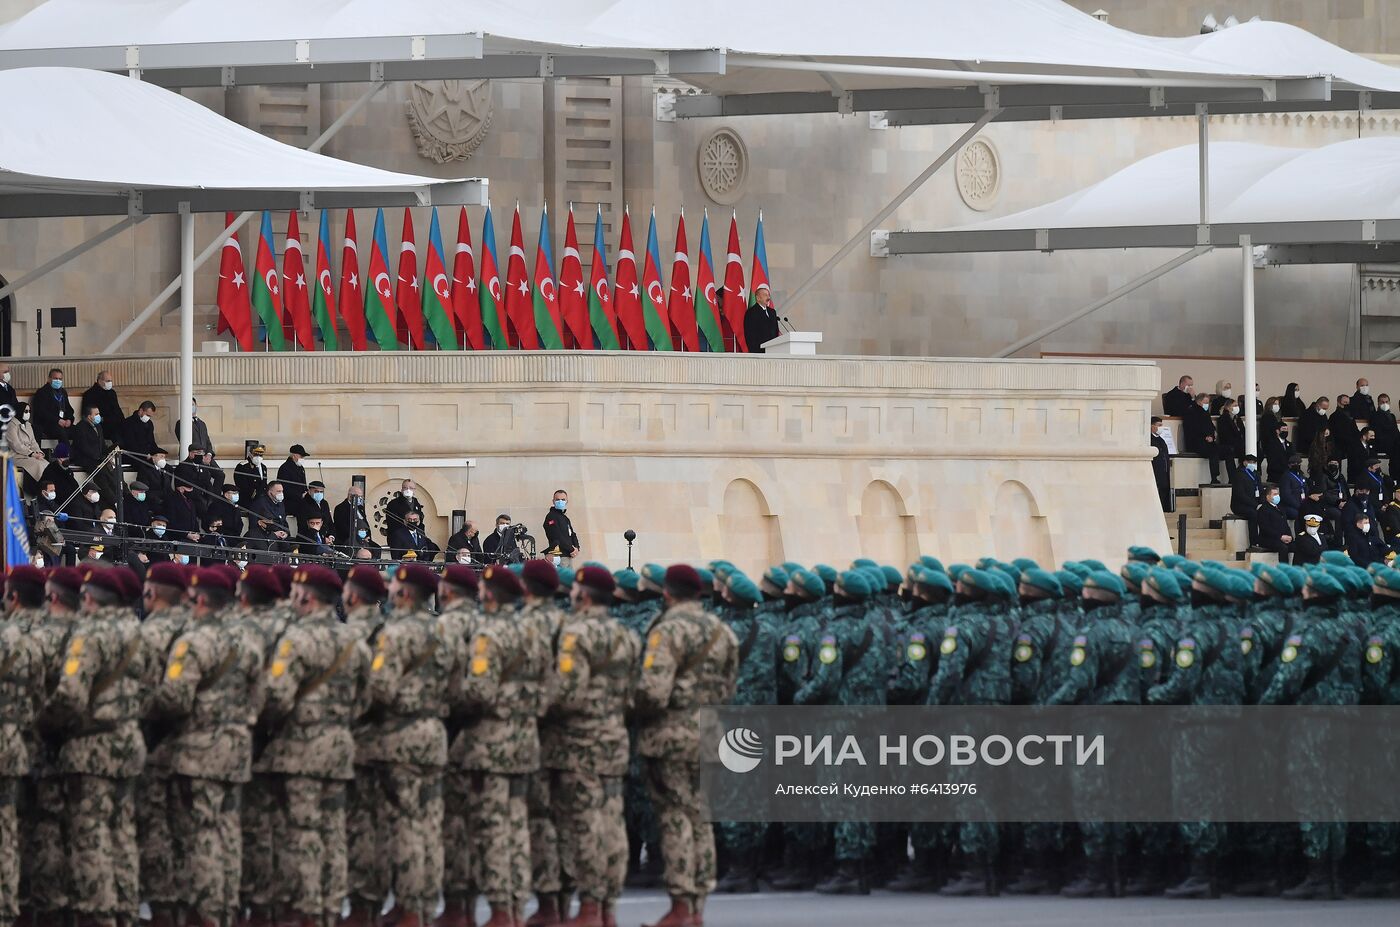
(1310, 423)
(310, 537)
(138, 435)
(1176, 402)
(410, 536)
(1363, 545)
(468, 539)
(103, 395)
(1345, 436)
(1200, 437)
(397, 511)
(1383, 420)
(1275, 534)
(312, 503)
(251, 476)
(226, 511)
(1293, 488)
(761, 321)
(50, 409)
(292, 474)
(1161, 465)
(1245, 495)
(500, 547)
(1362, 406)
(1309, 545)
(90, 446)
(349, 524)
(268, 525)
(8, 396)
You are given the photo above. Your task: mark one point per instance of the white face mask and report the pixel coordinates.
(5, 376)
(49, 495)
(1274, 408)
(145, 419)
(233, 498)
(242, 564)
(502, 528)
(1311, 531)
(1364, 390)
(26, 415)
(93, 497)
(277, 497)
(1385, 407)
(1227, 392)
(109, 521)
(257, 460)
(408, 494)
(160, 463)
(464, 557)
(106, 384)
(1365, 527)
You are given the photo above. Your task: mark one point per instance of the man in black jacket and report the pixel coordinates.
(251, 476)
(1293, 488)
(90, 446)
(138, 436)
(761, 320)
(8, 396)
(1274, 531)
(1383, 420)
(102, 395)
(1177, 401)
(404, 501)
(467, 539)
(500, 547)
(560, 540)
(1200, 437)
(1245, 495)
(1310, 423)
(292, 473)
(410, 536)
(269, 526)
(225, 510)
(1161, 465)
(1345, 435)
(1362, 545)
(1361, 404)
(312, 503)
(349, 520)
(1309, 544)
(50, 408)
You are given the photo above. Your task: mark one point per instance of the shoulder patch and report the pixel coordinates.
(481, 645)
(570, 640)
(175, 670)
(1081, 640)
(278, 668)
(284, 649)
(378, 663)
(76, 647)
(182, 647)
(480, 665)
(792, 648)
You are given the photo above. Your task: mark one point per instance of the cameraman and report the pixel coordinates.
(501, 547)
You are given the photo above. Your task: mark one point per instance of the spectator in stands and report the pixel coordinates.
(251, 475)
(404, 501)
(1362, 455)
(1361, 404)
(213, 536)
(1274, 444)
(1363, 545)
(110, 536)
(1292, 402)
(1375, 481)
(500, 547)
(59, 473)
(1345, 436)
(761, 320)
(8, 396)
(292, 474)
(1322, 452)
(1177, 401)
(1309, 545)
(83, 510)
(1332, 494)
(349, 517)
(1310, 422)
(1361, 503)
(102, 395)
(201, 430)
(180, 512)
(24, 445)
(310, 539)
(1258, 402)
(1229, 434)
(208, 481)
(138, 435)
(47, 539)
(410, 536)
(1390, 520)
(158, 531)
(364, 548)
(1200, 435)
(1292, 489)
(136, 510)
(468, 539)
(1161, 465)
(1245, 495)
(269, 526)
(1383, 420)
(1224, 393)
(313, 503)
(1272, 525)
(90, 446)
(51, 409)
(225, 510)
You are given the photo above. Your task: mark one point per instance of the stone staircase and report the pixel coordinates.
(1212, 533)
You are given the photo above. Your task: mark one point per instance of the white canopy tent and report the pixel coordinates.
(1335, 204)
(159, 152)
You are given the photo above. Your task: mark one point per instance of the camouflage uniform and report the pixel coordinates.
(691, 659)
(404, 744)
(153, 814)
(21, 680)
(586, 755)
(459, 886)
(315, 688)
(45, 868)
(544, 618)
(213, 689)
(100, 698)
(362, 802)
(637, 811)
(1380, 676)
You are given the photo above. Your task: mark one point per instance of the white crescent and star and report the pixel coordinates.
(325, 280)
(547, 289)
(387, 291)
(494, 288)
(442, 291)
(659, 295)
(270, 278)
(237, 280)
(710, 293)
(602, 288)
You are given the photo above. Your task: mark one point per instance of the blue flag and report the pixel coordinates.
(16, 534)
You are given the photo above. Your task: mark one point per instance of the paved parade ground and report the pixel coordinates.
(805, 909)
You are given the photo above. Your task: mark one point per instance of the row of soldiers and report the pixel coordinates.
(259, 747)
(1161, 631)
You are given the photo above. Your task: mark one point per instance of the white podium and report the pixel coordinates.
(794, 344)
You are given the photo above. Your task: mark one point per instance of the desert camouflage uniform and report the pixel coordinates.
(153, 814)
(691, 659)
(213, 688)
(315, 689)
(365, 861)
(259, 809)
(43, 870)
(459, 621)
(21, 677)
(546, 844)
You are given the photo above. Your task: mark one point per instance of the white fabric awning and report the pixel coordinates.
(82, 142)
(812, 55)
(1345, 193)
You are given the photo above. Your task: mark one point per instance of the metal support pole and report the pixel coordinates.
(218, 243)
(186, 323)
(864, 234)
(1098, 304)
(1203, 149)
(1251, 422)
(57, 262)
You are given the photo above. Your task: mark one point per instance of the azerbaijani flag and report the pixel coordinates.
(267, 293)
(493, 312)
(544, 295)
(437, 295)
(379, 295)
(600, 312)
(759, 275)
(235, 312)
(626, 296)
(323, 303)
(573, 298)
(466, 310)
(352, 307)
(654, 294)
(681, 301)
(706, 302)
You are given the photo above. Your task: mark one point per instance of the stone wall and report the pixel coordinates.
(750, 458)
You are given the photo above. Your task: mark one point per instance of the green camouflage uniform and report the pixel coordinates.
(21, 682)
(757, 684)
(45, 865)
(1380, 677)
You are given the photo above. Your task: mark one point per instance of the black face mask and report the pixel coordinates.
(906, 594)
(1146, 602)
(1199, 598)
(1334, 469)
(792, 601)
(1090, 605)
(844, 600)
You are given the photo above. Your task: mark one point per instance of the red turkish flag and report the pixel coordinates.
(680, 304)
(466, 308)
(235, 307)
(573, 292)
(407, 295)
(627, 296)
(520, 303)
(736, 298)
(352, 301)
(296, 305)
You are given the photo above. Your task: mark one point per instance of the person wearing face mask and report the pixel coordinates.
(90, 446)
(1359, 461)
(159, 530)
(8, 396)
(24, 445)
(201, 430)
(207, 480)
(412, 536)
(226, 510)
(1292, 489)
(1229, 433)
(1362, 405)
(1345, 435)
(1272, 529)
(1292, 402)
(1200, 435)
(292, 474)
(1311, 422)
(1311, 542)
(1390, 520)
(1362, 545)
(269, 527)
(136, 508)
(51, 408)
(561, 542)
(184, 519)
(1224, 393)
(310, 538)
(468, 539)
(1361, 507)
(1161, 465)
(60, 474)
(1383, 420)
(251, 475)
(1273, 440)
(404, 501)
(500, 547)
(103, 394)
(1245, 495)
(137, 434)
(349, 518)
(1176, 402)
(312, 504)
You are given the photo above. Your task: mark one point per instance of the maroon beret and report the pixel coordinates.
(285, 576)
(264, 579)
(231, 571)
(541, 573)
(105, 578)
(596, 578)
(211, 578)
(501, 580)
(25, 575)
(415, 574)
(70, 578)
(370, 580)
(130, 582)
(168, 574)
(462, 576)
(682, 579)
(313, 574)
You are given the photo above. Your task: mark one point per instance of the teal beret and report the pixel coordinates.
(1241, 585)
(707, 579)
(1189, 568)
(1218, 579)
(1025, 563)
(1386, 578)
(934, 579)
(1347, 579)
(862, 563)
(791, 566)
(1361, 578)
(626, 579)
(1335, 558)
(933, 563)
(1172, 561)
(1167, 583)
(988, 563)
(1324, 585)
(777, 576)
(956, 570)
(1096, 565)
(723, 568)
(1277, 579)
(1135, 571)
(1143, 555)
(809, 582)
(827, 573)
(654, 573)
(1295, 573)
(743, 589)
(981, 579)
(1102, 579)
(892, 577)
(1078, 568)
(1070, 583)
(566, 578)
(1043, 580)
(856, 584)
(716, 564)
(1008, 583)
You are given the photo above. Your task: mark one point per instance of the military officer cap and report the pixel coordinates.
(598, 579)
(1335, 558)
(1043, 580)
(855, 584)
(933, 563)
(1386, 582)
(791, 566)
(933, 579)
(210, 578)
(540, 573)
(258, 449)
(70, 578)
(1324, 585)
(1134, 572)
(265, 580)
(566, 577)
(683, 580)
(827, 573)
(1313, 520)
(863, 562)
(25, 575)
(652, 577)
(167, 574)
(502, 582)
(777, 577)
(1276, 579)
(1166, 583)
(707, 579)
(744, 590)
(285, 575)
(460, 576)
(626, 580)
(808, 583)
(892, 577)
(1102, 579)
(1070, 583)
(371, 581)
(1143, 555)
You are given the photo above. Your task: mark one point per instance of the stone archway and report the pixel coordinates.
(1018, 528)
(748, 529)
(885, 527)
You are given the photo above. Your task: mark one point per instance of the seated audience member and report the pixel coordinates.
(1361, 504)
(311, 503)
(310, 538)
(410, 536)
(109, 536)
(466, 539)
(1309, 544)
(404, 501)
(1293, 488)
(159, 530)
(1375, 480)
(136, 509)
(180, 511)
(1292, 402)
(47, 538)
(1362, 407)
(1310, 422)
(500, 547)
(1383, 420)
(24, 445)
(1245, 495)
(1224, 393)
(268, 526)
(1362, 545)
(1229, 433)
(206, 480)
(1272, 525)
(1177, 401)
(1390, 520)
(214, 537)
(1200, 436)
(225, 510)
(58, 472)
(83, 510)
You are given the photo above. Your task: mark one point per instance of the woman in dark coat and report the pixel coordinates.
(1293, 405)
